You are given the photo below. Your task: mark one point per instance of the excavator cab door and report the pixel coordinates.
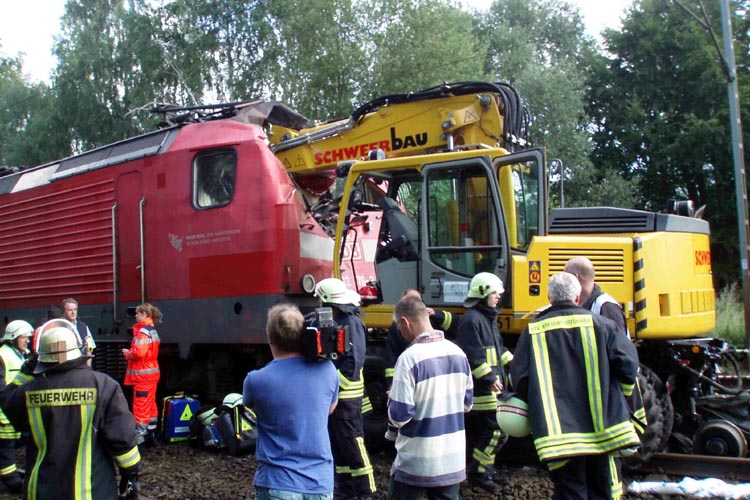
(465, 227)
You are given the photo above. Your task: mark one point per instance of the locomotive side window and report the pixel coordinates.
(214, 175)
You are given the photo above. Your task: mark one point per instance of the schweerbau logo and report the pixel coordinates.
(702, 258)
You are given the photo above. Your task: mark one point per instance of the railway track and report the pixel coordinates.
(674, 464)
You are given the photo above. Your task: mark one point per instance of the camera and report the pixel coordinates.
(326, 340)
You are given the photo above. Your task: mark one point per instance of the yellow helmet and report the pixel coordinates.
(334, 291)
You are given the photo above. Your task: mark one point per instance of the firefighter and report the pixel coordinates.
(78, 420)
(574, 369)
(479, 337)
(143, 371)
(13, 353)
(597, 301)
(354, 473)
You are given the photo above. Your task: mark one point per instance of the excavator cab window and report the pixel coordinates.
(463, 227)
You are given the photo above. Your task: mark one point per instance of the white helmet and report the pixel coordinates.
(232, 399)
(334, 291)
(58, 345)
(16, 328)
(513, 417)
(482, 284)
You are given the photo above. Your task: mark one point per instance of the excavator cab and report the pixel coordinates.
(446, 220)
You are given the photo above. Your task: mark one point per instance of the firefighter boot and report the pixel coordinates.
(13, 482)
(484, 479)
(141, 431)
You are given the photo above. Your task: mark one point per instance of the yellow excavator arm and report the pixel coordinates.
(456, 116)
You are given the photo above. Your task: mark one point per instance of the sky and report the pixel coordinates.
(29, 27)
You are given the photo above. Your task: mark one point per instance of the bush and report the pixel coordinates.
(730, 316)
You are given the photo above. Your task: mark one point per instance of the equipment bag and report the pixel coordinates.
(177, 411)
(237, 428)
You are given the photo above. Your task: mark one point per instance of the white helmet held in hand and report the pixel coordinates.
(513, 417)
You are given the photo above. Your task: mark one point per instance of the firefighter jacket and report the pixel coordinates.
(11, 360)
(602, 303)
(79, 423)
(143, 367)
(479, 337)
(574, 369)
(351, 381)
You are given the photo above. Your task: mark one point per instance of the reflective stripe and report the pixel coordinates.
(40, 440)
(141, 340)
(549, 404)
(556, 465)
(82, 479)
(614, 477)
(593, 381)
(491, 354)
(481, 370)
(366, 405)
(506, 358)
(22, 378)
(129, 458)
(367, 469)
(627, 389)
(142, 372)
(346, 384)
(352, 393)
(487, 402)
(389, 372)
(8, 470)
(586, 443)
(447, 320)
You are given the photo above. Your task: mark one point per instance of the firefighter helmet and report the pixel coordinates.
(482, 284)
(334, 291)
(58, 345)
(513, 417)
(232, 399)
(16, 328)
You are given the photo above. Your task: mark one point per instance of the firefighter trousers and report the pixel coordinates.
(354, 474)
(7, 457)
(484, 440)
(592, 477)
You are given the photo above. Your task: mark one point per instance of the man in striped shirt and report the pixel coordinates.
(432, 389)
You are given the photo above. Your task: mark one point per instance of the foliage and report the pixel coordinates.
(541, 48)
(672, 139)
(730, 316)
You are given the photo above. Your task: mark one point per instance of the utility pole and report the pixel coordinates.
(738, 154)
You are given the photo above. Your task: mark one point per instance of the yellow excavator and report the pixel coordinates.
(446, 184)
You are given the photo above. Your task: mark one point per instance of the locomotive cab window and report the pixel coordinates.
(214, 175)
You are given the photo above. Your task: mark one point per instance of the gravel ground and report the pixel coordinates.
(179, 472)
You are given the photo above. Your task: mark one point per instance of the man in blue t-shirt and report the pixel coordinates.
(292, 399)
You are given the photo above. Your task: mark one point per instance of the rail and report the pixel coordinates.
(674, 464)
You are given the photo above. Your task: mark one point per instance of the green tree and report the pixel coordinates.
(542, 49)
(416, 44)
(659, 103)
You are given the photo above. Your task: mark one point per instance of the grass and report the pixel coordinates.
(730, 316)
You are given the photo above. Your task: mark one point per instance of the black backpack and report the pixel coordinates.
(237, 428)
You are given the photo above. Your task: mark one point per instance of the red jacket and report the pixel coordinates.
(143, 367)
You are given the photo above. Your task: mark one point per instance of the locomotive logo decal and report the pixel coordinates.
(176, 242)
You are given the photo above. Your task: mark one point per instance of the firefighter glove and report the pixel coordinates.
(129, 487)
(27, 368)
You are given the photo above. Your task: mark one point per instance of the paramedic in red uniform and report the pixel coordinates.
(143, 371)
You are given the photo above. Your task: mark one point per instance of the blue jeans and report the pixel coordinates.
(402, 491)
(269, 494)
